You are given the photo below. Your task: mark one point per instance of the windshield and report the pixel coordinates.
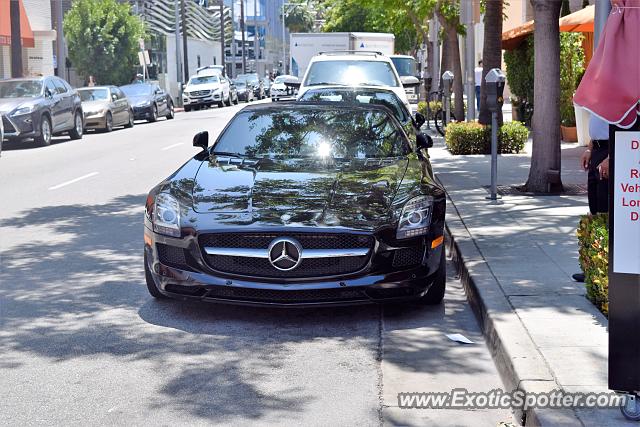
(137, 90)
(252, 78)
(388, 99)
(20, 89)
(374, 73)
(405, 66)
(93, 94)
(240, 83)
(313, 133)
(203, 80)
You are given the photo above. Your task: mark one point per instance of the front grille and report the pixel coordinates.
(310, 267)
(267, 295)
(408, 257)
(8, 127)
(171, 256)
(199, 93)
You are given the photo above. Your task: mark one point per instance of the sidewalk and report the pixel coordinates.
(516, 258)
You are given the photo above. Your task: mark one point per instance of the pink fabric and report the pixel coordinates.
(610, 87)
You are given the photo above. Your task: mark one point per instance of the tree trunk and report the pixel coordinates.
(451, 62)
(491, 53)
(545, 158)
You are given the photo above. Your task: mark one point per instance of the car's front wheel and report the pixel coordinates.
(154, 114)
(172, 112)
(151, 284)
(78, 127)
(44, 138)
(435, 294)
(131, 120)
(108, 122)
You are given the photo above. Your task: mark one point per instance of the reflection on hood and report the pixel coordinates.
(7, 105)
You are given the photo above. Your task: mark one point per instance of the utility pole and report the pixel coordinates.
(242, 29)
(16, 39)
(176, 10)
(469, 59)
(435, 30)
(256, 47)
(284, 43)
(184, 39)
(60, 47)
(233, 40)
(223, 50)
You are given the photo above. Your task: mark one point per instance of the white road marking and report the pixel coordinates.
(172, 146)
(80, 178)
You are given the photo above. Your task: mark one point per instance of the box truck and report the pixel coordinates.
(305, 45)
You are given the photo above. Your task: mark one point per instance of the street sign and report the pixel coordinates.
(627, 203)
(141, 43)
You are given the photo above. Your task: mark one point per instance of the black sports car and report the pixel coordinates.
(300, 204)
(149, 101)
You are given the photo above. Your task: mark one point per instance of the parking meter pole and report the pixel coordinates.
(494, 155)
(447, 83)
(447, 110)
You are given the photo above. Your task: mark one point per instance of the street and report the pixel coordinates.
(83, 343)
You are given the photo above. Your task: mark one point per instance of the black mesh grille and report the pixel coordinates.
(171, 255)
(308, 241)
(407, 257)
(259, 267)
(8, 127)
(309, 295)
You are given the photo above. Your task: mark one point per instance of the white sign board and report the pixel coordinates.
(626, 243)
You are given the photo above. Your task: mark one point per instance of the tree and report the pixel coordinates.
(298, 16)
(102, 37)
(491, 53)
(448, 13)
(545, 158)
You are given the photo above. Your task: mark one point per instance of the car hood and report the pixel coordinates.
(279, 86)
(355, 194)
(94, 105)
(7, 105)
(139, 99)
(208, 86)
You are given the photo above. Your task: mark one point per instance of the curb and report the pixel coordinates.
(519, 363)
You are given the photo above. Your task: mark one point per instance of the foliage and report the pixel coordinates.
(102, 37)
(298, 16)
(520, 73)
(571, 70)
(593, 240)
(474, 138)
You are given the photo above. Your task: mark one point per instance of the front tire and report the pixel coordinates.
(78, 127)
(151, 284)
(44, 138)
(108, 122)
(187, 108)
(154, 114)
(172, 112)
(131, 120)
(435, 294)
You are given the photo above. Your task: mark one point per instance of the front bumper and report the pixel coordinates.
(143, 113)
(95, 121)
(213, 98)
(19, 127)
(375, 284)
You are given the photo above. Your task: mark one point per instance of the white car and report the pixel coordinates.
(279, 90)
(353, 68)
(206, 90)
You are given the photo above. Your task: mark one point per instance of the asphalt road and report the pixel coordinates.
(82, 343)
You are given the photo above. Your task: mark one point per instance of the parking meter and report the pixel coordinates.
(447, 84)
(494, 85)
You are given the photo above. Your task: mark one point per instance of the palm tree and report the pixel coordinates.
(545, 158)
(491, 53)
(448, 14)
(298, 16)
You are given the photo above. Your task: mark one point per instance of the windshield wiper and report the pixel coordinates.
(226, 153)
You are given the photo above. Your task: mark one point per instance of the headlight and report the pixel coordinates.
(415, 218)
(166, 215)
(24, 110)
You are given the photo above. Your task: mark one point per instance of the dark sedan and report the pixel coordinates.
(245, 91)
(254, 81)
(300, 204)
(149, 101)
(39, 108)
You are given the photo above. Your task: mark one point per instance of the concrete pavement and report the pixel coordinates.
(517, 257)
(84, 344)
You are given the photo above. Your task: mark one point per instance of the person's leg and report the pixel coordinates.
(602, 191)
(477, 99)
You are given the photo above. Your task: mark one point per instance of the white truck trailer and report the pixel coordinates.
(305, 45)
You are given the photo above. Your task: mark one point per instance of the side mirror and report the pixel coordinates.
(201, 139)
(419, 119)
(47, 93)
(423, 141)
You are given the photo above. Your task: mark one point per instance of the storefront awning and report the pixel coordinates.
(577, 22)
(26, 34)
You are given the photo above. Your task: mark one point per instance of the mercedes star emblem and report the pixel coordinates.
(285, 253)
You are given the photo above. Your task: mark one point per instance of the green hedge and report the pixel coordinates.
(593, 240)
(474, 138)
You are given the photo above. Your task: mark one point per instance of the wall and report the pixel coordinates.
(39, 58)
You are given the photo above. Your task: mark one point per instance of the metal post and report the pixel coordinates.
(16, 39)
(469, 60)
(436, 53)
(60, 45)
(494, 155)
(184, 40)
(242, 29)
(256, 47)
(602, 9)
(233, 40)
(176, 12)
(222, 59)
(447, 109)
(284, 42)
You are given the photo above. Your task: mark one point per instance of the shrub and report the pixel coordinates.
(474, 138)
(433, 106)
(571, 69)
(593, 240)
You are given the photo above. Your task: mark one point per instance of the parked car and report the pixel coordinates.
(407, 68)
(266, 83)
(1, 134)
(38, 108)
(255, 82)
(299, 203)
(105, 107)
(245, 91)
(206, 90)
(233, 92)
(149, 101)
(211, 70)
(363, 68)
(280, 90)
